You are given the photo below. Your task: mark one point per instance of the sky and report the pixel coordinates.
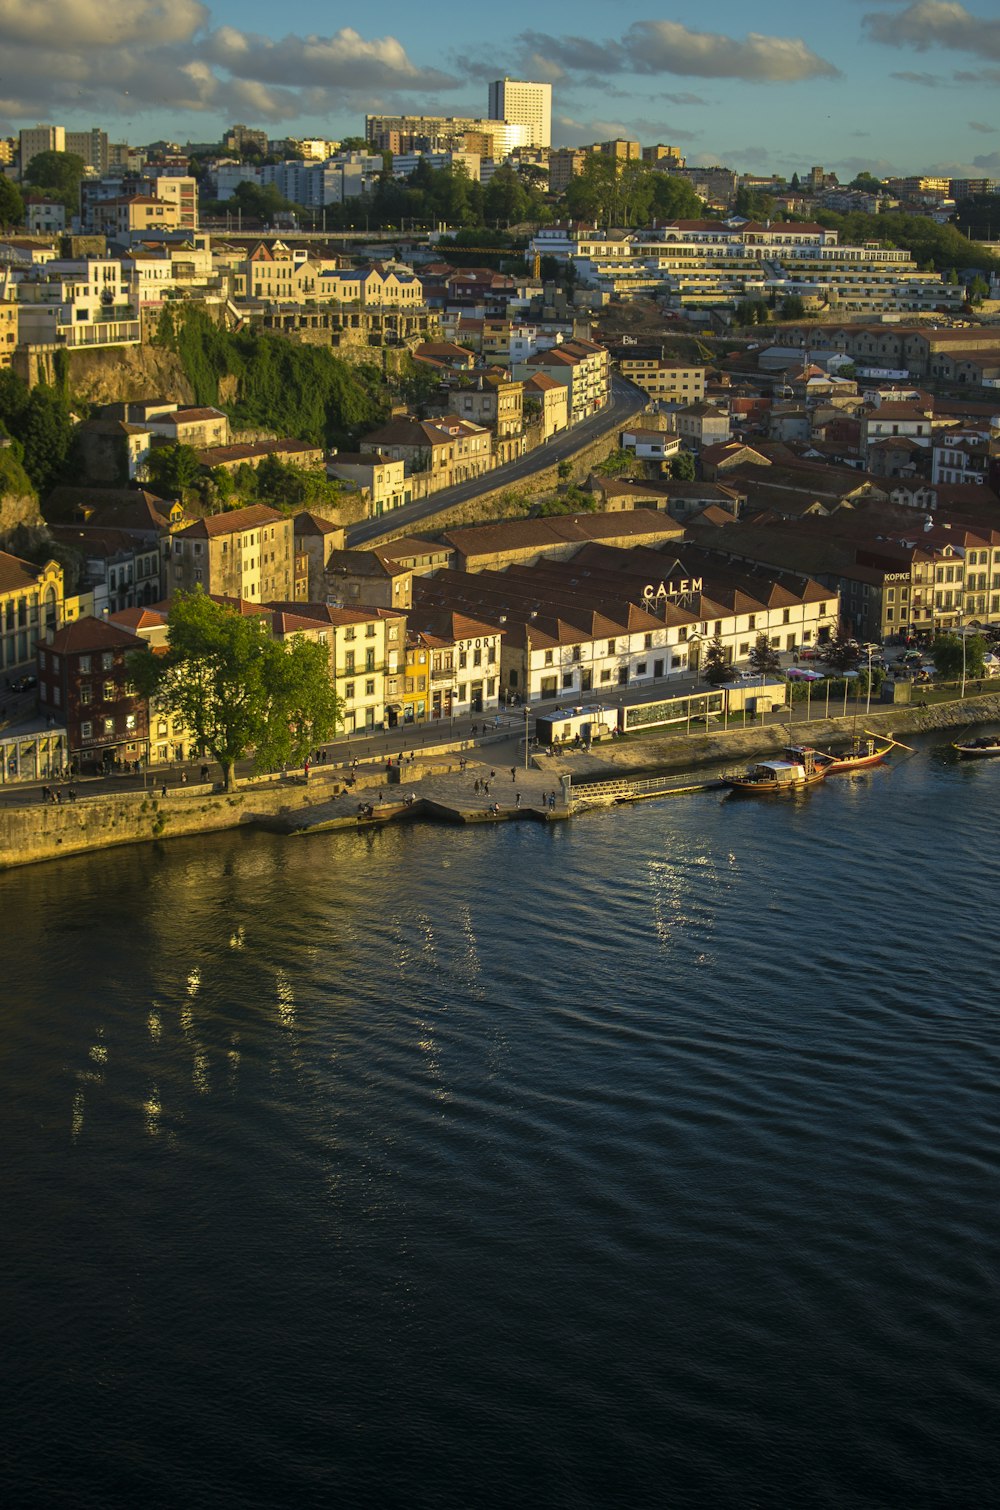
(892, 86)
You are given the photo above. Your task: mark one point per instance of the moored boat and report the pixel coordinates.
(970, 749)
(800, 769)
(861, 754)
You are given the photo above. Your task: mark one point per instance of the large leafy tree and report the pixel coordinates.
(45, 430)
(949, 656)
(173, 469)
(11, 203)
(59, 175)
(239, 691)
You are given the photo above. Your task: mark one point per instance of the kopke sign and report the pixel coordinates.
(655, 592)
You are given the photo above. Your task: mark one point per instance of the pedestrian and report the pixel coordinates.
(493, 774)
(513, 774)
(517, 799)
(486, 788)
(552, 802)
(475, 730)
(184, 778)
(475, 786)
(71, 794)
(380, 799)
(163, 790)
(204, 773)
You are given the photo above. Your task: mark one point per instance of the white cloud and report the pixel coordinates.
(59, 24)
(346, 58)
(669, 47)
(69, 58)
(927, 24)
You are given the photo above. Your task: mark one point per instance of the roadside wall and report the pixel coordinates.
(511, 500)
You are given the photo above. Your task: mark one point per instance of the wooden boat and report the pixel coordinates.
(799, 770)
(971, 749)
(861, 754)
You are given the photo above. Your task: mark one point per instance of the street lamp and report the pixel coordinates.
(868, 704)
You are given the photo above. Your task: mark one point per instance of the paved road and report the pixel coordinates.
(626, 401)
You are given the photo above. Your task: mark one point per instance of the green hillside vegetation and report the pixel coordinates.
(300, 391)
(14, 480)
(931, 245)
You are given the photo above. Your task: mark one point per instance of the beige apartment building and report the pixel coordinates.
(249, 553)
(367, 649)
(664, 380)
(381, 478)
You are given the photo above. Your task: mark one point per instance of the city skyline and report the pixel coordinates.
(885, 85)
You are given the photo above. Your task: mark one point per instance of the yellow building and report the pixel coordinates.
(31, 603)
(8, 331)
(416, 678)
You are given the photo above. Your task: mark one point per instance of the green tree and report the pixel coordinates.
(683, 468)
(504, 198)
(764, 659)
(673, 198)
(754, 204)
(239, 692)
(59, 175)
(948, 656)
(842, 653)
(616, 464)
(11, 203)
(260, 201)
(45, 430)
(173, 469)
(715, 671)
(792, 307)
(978, 290)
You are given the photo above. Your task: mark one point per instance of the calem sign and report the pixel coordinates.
(657, 592)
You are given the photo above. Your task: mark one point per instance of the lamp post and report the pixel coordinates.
(868, 703)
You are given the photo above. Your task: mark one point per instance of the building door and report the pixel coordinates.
(657, 668)
(586, 681)
(477, 697)
(623, 676)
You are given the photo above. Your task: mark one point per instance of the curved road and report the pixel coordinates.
(626, 401)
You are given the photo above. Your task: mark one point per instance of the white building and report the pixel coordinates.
(522, 103)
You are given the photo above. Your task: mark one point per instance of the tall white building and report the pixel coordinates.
(524, 104)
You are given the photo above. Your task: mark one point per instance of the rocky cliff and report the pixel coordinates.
(121, 372)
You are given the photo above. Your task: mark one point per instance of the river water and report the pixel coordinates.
(647, 1160)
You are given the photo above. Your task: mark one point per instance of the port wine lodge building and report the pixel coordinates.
(610, 617)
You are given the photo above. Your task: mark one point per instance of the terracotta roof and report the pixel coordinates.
(16, 574)
(90, 634)
(215, 525)
(308, 523)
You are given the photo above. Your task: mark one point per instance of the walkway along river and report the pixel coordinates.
(443, 785)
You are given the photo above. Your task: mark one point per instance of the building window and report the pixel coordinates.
(109, 726)
(86, 731)
(349, 689)
(108, 660)
(84, 664)
(109, 692)
(85, 693)
(370, 689)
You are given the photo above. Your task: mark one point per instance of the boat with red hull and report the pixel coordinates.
(861, 754)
